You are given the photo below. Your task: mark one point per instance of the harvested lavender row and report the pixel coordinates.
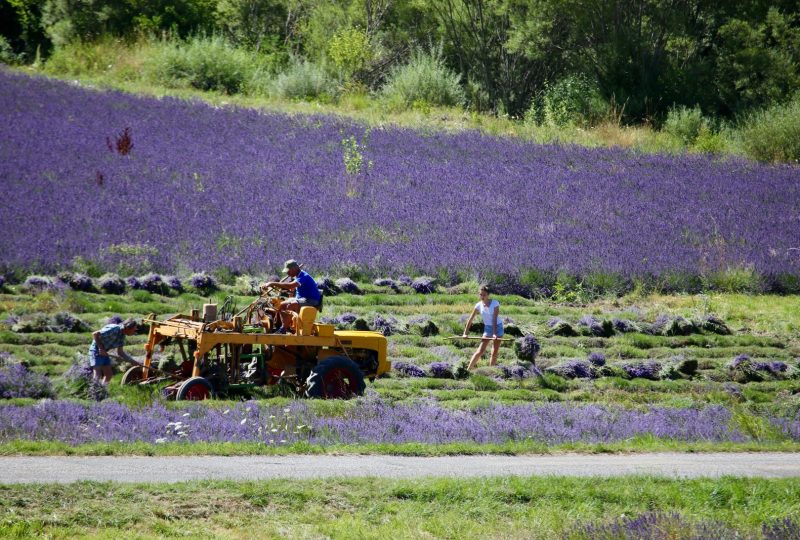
(184, 167)
(370, 421)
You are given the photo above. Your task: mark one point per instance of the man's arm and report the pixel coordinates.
(286, 286)
(100, 348)
(125, 356)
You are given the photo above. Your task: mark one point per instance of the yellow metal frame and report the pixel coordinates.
(210, 335)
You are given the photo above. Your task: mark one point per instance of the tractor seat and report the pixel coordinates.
(305, 321)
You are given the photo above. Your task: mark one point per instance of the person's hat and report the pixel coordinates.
(291, 263)
(129, 323)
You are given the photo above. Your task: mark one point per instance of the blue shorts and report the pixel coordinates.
(302, 302)
(97, 360)
(487, 330)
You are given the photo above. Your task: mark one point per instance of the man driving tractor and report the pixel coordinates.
(305, 290)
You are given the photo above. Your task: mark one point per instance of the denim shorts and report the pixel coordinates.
(303, 302)
(97, 360)
(487, 330)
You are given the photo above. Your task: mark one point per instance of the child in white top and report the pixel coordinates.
(492, 326)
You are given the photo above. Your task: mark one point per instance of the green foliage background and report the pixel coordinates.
(693, 64)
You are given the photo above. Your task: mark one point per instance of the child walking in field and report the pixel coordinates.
(492, 326)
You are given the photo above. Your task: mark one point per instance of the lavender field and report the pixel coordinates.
(203, 188)
(371, 420)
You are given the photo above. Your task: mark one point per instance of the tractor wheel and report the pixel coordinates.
(336, 377)
(195, 389)
(133, 375)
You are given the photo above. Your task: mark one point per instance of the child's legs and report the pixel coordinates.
(475, 357)
(495, 350)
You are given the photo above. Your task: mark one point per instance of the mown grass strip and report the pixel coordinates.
(511, 507)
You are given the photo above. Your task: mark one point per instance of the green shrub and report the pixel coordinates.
(460, 370)
(350, 51)
(7, 55)
(574, 100)
(685, 124)
(774, 133)
(687, 366)
(81, 58)
(424, 80)
(259, 82)
(711, 142)
(205, 63)
(303, 80)
(785, 283)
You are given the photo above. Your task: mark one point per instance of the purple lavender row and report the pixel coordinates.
(205, 187)
(667, 526)
(370, 421)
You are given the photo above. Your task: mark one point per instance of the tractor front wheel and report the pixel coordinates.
(336, 377)
(195, 389)
(133, 375)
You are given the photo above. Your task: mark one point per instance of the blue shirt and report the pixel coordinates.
(111, 336)
(307, 287)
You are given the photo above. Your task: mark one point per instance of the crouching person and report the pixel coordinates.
(111, 336)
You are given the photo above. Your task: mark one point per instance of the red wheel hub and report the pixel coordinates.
(338, 383)
(197, 392)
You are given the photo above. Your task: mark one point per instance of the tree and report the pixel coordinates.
(478, 39)
(757, 61)
(253, 23)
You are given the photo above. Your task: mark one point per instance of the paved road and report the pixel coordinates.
(178, 469)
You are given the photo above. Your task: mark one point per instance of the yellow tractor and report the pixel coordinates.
(242, 349)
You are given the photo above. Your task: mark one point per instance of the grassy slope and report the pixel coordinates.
(374, 508)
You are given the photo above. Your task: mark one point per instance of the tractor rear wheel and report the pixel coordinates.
(133, 375)
(336, 377)
(195, 389)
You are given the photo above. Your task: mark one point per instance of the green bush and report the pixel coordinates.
(205, 63)
(7, 55)
(303, 80)
(574, 100)
(424, 80)
(350, 51)
(68, 21)
(710, 141)
(774, 133)
(685, 124)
